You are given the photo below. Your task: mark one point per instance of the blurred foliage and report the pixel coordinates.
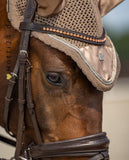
(122, 46)
(121, 43)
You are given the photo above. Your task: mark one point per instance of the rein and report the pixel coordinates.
(94, 146)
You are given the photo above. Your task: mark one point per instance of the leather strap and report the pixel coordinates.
(8, 100)
(95, 146)
(21, 100)
(30, 106)
(23, 57)
(9, 97)
(64, 33)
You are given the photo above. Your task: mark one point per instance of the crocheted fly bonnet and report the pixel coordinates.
(75, 28)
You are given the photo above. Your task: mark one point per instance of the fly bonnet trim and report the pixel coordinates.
(78, 32)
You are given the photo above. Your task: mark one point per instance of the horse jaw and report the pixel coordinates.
(71, 111)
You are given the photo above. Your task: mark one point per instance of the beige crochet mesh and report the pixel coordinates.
(78, 15)
(81, 16)
(21, 5)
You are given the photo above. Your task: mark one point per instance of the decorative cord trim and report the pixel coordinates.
(78, 35)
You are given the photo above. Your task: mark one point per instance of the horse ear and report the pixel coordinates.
(106, 5)
(50, 7)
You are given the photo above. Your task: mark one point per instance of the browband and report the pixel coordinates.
(63, 33)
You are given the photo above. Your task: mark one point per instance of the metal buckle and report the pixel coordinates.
(26, 154)
(14, 74)
(22, 158)
(24, 51)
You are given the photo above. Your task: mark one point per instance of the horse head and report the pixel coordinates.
(67, 81)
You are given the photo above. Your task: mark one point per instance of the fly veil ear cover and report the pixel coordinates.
(50, 7)
(77, 31)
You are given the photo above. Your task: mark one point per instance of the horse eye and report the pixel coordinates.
(54, 78)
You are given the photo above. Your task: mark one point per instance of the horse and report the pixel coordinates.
(67, 105)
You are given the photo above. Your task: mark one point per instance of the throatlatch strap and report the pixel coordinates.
(9, 96)
(8, 100)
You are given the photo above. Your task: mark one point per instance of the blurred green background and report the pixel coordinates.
(116, 24)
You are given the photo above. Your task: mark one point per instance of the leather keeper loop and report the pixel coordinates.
(11, 82)
(8, 99)
(20, 101)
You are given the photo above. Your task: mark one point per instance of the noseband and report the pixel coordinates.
(94, 146)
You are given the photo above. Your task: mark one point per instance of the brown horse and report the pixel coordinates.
(67, 105)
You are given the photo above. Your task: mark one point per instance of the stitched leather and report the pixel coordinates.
(89, 146)
(64, 33)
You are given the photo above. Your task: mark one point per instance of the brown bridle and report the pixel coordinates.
(94, 146)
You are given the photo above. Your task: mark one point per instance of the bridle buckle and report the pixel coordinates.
(26, 154)
(22, 158)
